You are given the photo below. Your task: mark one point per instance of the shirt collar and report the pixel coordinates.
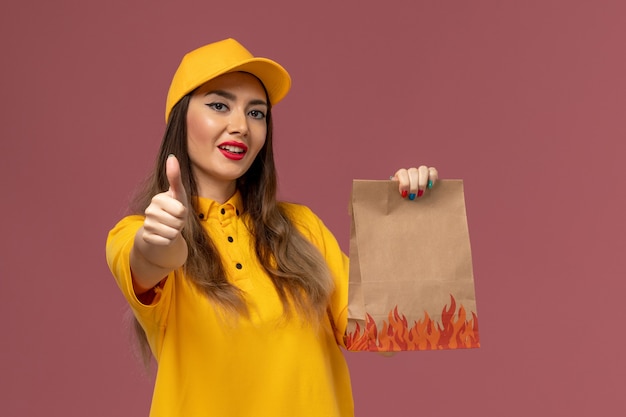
(206, 208)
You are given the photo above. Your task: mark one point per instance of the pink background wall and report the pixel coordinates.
(524, 100)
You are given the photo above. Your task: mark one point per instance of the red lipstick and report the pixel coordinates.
(233, 150)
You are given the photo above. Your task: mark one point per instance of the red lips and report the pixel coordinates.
(233, 150)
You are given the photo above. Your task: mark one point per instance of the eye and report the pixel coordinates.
(218, 106)
(257, 114)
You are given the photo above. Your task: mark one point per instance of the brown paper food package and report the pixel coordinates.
(411, 276)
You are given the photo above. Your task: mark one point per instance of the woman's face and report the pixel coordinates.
(226, 129)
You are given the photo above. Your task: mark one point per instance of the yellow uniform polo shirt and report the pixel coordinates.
(262, 366)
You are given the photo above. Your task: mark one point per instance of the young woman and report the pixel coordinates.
(241, 299)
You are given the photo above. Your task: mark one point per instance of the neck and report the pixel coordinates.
(219, 192)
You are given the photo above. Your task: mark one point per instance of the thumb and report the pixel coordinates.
(172, 171)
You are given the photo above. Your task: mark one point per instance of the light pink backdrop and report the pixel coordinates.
(523, 100)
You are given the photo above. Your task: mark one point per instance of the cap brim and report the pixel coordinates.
(274, 77)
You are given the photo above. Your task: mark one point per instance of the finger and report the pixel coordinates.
(402, 176)
(165, 218)
(413, 182)
(433, 176)
(159, 236)
(172, 171)
(422, 181)
(167, 210)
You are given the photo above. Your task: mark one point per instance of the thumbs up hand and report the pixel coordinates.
(167, 213)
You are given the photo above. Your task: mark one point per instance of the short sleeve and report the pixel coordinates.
(152, 317)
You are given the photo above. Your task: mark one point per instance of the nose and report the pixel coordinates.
(238, 123)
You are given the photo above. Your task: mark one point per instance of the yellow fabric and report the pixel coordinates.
(264, 366)
(217, 58)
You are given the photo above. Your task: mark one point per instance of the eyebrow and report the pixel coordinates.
(230, 96)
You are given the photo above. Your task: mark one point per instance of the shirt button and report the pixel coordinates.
(230, 239)
(239, 266)
(201, 215)
(223, 211)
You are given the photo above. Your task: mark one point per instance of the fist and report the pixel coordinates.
(167, 213)
(412, 182)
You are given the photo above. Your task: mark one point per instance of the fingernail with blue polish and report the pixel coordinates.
(412, 196)
(430, 184)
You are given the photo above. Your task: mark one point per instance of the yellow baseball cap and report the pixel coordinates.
(212, 60)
